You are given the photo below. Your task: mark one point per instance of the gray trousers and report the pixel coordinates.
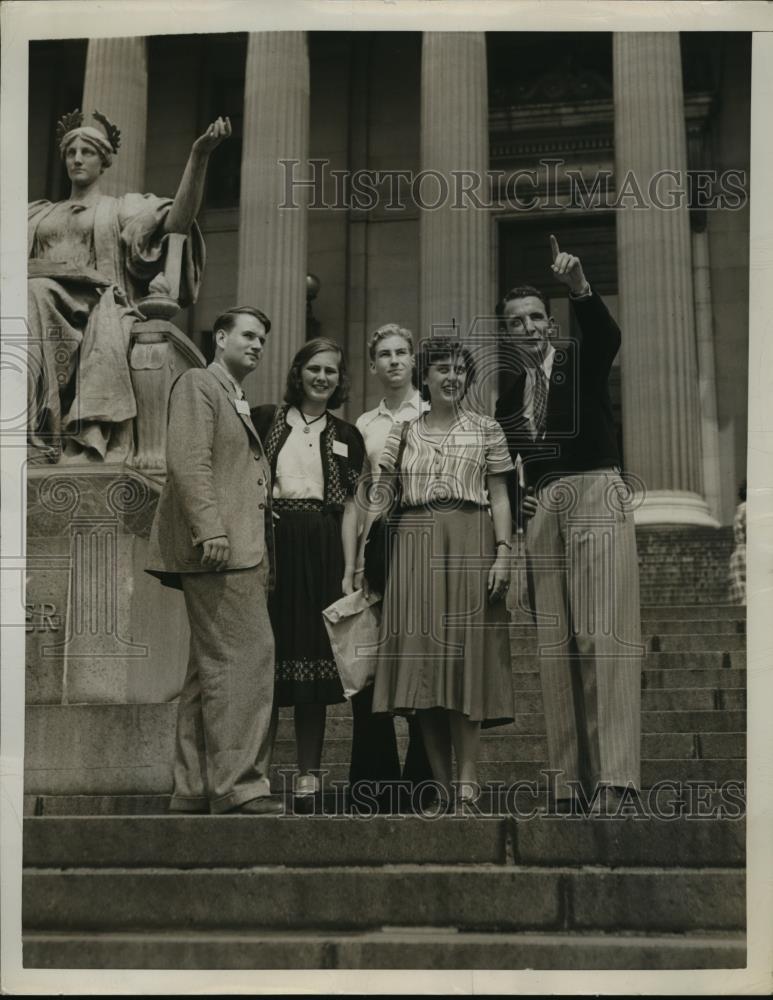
(584, 573)
(225, 723)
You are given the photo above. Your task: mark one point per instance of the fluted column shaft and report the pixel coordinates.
(272, 241)
(455, 245)
(661, 419)
(116, 83)
(707, 380)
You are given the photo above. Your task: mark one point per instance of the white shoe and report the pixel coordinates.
(468, 791)
(306, 784)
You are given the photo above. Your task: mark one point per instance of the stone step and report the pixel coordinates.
(712, 721)
(508, 772)
(679, 659)
(525, 643)
(721, 642)
(709, 626)
(688, 612)
(128, 749)
(670, 677)
(662, 700)
(400, 948)
(652, 771)
(96, 805)
(469, 897)
(721, 746)
(664, 801)
(237, 841)
(533, 723)
(676, 677)
(494, 746)
(243, 841)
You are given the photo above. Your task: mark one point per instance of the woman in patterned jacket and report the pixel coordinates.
(315, 461)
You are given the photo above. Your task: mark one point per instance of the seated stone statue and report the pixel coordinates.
(90, 260)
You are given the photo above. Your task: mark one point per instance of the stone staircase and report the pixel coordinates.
(503, 886)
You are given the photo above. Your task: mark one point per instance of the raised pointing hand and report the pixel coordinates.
(567, 268)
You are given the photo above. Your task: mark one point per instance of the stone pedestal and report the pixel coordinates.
(273, 240)
(160, 353)
(116, 84)
(661, 416)
(100, 630)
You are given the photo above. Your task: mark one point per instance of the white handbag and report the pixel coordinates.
(353, 624)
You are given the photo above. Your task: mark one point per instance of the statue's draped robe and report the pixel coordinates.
(87, 269)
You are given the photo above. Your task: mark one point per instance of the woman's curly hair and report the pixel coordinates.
(434, 349)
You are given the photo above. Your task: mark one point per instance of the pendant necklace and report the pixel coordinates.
(308, 423)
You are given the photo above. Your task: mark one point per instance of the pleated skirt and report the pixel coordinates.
(443, 644)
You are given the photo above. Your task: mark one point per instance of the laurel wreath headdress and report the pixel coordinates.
(106, 138)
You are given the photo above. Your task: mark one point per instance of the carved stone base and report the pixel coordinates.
(99, 629)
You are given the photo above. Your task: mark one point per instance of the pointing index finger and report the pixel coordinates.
(554, 246)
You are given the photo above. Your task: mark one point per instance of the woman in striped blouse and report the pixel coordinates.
(445, 650)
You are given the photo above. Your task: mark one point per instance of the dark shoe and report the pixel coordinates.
(263, 806)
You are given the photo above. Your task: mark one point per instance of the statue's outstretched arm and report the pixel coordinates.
(187, 201)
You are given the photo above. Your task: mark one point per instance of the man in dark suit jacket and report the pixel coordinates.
(580, 543)
(209, 537)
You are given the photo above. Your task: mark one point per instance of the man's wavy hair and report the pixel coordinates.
(294, 389)
(227, 320)
(392, 330)
(434, 349)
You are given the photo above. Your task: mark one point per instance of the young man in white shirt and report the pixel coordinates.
(374, 747)
(392, 362)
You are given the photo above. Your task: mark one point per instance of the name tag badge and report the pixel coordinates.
(242, 406)
(341, 448)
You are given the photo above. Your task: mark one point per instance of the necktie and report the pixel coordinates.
(539, 402)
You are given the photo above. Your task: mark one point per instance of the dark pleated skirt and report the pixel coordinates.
(309, 570)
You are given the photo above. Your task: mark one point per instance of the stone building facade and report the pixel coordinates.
(577, 110)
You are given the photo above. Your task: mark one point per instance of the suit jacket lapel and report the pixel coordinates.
(225, 382)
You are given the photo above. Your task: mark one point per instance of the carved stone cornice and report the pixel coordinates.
(572, 130)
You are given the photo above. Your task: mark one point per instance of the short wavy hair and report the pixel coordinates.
(294, 388)
(434, 349)
(227, 320)
(389, 330)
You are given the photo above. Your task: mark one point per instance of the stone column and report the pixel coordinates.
(707, 380)
(661, 415)
(273, 240)
(456, 260)
(116, 83)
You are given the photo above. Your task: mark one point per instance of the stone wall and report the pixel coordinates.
(683, 565)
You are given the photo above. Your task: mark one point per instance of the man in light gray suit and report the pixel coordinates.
(212, 538)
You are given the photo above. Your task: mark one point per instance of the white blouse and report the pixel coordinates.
(299, 473)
